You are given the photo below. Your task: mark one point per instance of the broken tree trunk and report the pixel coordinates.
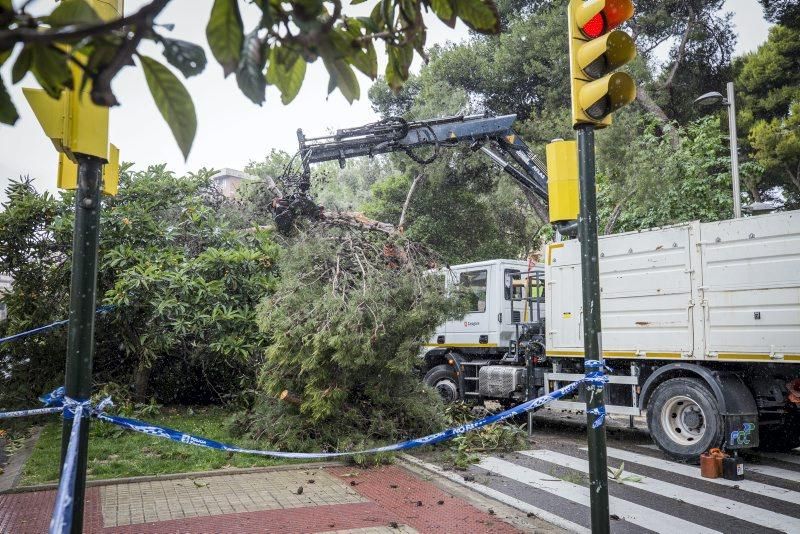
(419, 178)
(290, 398)
(358, 221)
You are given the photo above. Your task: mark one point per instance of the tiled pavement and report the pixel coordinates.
(340, 499)
(163, 500)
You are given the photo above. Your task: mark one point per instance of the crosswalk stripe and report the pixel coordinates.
(770, 471)
(791, 458)
(502, 497)
(694, 472)
(745, 512)
(632, 512)
(783, 457)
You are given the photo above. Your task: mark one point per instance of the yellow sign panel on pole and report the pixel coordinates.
(68, 172)
(75, 124)
(562, 180)
(111, 171)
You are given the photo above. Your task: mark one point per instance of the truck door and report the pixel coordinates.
(476, 322)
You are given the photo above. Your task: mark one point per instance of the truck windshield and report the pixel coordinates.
(473, 283)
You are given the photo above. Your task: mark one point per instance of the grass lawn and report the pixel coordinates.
(114, 452)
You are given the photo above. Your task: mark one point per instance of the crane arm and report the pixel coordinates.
(492, 135)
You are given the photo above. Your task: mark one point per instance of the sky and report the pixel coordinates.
(232, 130)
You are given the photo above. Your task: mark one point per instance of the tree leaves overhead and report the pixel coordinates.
(8, 113)
(480, 15)
(22, 65)
(173, 101)
(249, 72)
(50, 69)
(225, 34)
(342, 76)
(187, 57)
(311, 29)
(286, 71)
(70, 12)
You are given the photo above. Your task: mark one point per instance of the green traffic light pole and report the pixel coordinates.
(592, 339)
(80, 336)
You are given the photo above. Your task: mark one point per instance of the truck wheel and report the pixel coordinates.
(684, 419)
(444, 380)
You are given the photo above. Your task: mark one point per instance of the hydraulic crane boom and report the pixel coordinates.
(483, 132)
(492, 135)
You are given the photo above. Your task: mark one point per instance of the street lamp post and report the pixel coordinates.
(714, 98)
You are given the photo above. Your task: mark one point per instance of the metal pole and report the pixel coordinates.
(592, 341)
(737, 196)
(80, 336)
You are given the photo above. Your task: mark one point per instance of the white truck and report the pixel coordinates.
(700, 323)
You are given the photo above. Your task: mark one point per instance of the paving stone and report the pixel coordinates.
(224, 494)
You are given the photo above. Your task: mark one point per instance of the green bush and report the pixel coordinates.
(183, 279)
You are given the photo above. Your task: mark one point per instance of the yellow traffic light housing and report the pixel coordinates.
(596, 49)
(562, 181)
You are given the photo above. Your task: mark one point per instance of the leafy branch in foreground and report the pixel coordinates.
(275, 50)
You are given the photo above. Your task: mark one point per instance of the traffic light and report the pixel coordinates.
(596, 50)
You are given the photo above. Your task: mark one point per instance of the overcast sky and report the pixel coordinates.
(231, 130)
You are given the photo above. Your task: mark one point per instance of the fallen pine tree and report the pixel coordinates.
(346, 321)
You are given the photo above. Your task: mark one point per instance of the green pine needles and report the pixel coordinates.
(347, 320)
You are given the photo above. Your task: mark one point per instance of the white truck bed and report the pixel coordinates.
(727, 291)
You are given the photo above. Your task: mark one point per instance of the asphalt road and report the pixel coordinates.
(650, 493)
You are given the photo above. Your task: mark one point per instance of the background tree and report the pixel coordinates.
(784, 12)
(184, 285)
(768, 85)
(665, 186)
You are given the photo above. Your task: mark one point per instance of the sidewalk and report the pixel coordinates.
(338, 499)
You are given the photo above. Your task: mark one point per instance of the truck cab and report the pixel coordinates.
(489, 326)
(461, 351)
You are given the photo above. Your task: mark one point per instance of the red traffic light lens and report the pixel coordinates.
(595, 27)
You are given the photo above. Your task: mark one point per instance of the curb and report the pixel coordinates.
(521, 513)
(176, 476)
(16, 462)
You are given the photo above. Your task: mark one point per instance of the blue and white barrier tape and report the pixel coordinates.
(71, 407)
(174, 435)
(47, 327)
(598, 379)
(61, 521)
(600, 412)
(54, 398)
(596, 376)
(27, 413)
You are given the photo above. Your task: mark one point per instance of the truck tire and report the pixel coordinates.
(684, 419)
(444, 380)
